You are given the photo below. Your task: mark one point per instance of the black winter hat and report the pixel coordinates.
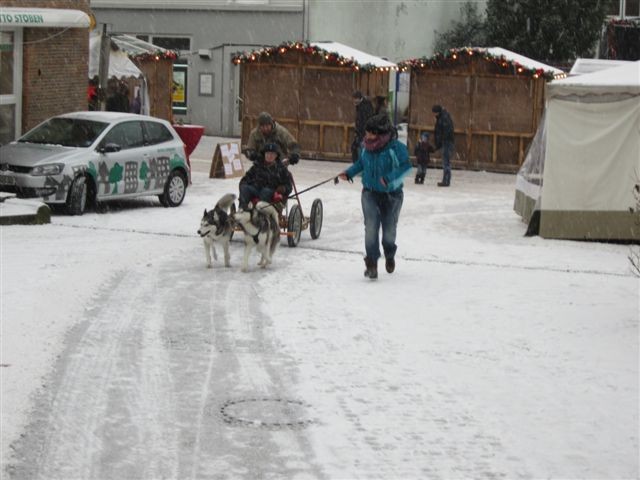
(271, 147)
(265, 119)
(379, 124)
(436, 109)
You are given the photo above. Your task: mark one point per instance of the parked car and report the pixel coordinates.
(80, 158)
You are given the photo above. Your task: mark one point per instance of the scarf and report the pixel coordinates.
(373, 144)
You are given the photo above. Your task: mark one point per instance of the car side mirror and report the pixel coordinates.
(110, 148)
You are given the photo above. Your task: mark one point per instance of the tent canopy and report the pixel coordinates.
(120, 66)
(620, 79)
(583, 171)
(591, 65)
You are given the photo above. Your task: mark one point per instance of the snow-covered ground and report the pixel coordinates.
(486, 354)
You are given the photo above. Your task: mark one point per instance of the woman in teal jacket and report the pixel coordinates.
(383, 163)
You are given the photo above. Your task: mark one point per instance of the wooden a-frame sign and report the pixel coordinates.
(227, 161)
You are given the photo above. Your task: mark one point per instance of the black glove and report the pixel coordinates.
(294, 158)
(251, 154)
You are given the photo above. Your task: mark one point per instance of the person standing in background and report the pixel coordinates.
(444, 138)
(364, 111)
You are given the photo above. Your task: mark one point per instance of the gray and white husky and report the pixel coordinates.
(261, 231)
(217, 226)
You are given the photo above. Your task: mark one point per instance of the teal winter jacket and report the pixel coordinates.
(391, 162)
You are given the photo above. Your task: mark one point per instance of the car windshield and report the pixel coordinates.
(68, 132)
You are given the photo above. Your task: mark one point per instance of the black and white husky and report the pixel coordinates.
(261, 231)
(217, 226)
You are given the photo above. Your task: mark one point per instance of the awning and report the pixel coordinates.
(43, 17)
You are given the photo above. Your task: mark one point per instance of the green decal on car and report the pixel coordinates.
(115, 175)
(176, 161)
(91, 169)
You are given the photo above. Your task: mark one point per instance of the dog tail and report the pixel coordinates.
(226, 201)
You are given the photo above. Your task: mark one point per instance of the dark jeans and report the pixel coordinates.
(247, 192)
(381, 210)
(447, 153)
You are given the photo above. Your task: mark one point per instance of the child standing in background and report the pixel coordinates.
(422, 152)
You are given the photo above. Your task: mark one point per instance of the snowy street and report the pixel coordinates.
(486, 354)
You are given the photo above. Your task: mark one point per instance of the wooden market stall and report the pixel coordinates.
(495, 98)
(156, 64)
(307, 88)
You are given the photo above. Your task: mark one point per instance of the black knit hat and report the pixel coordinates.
(436, 109)
(271, 147)
(379, 124)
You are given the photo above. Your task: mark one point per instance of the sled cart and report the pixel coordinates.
(292, 219)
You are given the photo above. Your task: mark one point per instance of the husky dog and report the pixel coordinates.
(217, 226)
(261, 231)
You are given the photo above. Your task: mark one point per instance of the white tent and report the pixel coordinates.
(120, 66)
(582, 181)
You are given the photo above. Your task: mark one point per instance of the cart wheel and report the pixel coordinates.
(232, 211)
(316, 218)
(294, 226)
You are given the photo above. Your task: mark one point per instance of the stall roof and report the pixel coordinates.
(518, 64)
(621, 79)
(120, 66)
(590, 65)
(137, 49)
(334, 53)
(361, 58)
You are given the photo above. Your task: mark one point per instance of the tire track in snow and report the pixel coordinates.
(433, 259)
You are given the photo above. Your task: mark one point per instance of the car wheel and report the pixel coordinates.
(174, 190)
(77, 199)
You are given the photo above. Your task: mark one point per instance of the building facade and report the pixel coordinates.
(208, 33)
(44, 48)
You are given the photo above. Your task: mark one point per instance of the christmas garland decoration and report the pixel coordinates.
(157, 56)
(455, 55)
(329, 58)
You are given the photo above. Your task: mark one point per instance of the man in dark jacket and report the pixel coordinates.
(268, 179)
(364, 111)
(269, 131)
(444, 138)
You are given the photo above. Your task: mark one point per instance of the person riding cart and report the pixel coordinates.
(269, 131)
(268, 179)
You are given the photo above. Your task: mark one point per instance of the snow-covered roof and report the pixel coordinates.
(513, 62)
(621, 79)
(120, 66)
(524, 61)
(332, 53)
(590, 65)
(362, 58)
(136, 48)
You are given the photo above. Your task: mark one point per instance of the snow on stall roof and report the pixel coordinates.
(624, 75)
(591, 65)
(522, 60)
(362, 58)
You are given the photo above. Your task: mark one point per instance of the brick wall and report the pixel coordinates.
(55, 65)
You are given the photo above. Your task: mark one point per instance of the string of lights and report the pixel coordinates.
(327, 57)
(460, 55)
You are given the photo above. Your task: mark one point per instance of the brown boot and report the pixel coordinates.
(372, 268)
(390, 265)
